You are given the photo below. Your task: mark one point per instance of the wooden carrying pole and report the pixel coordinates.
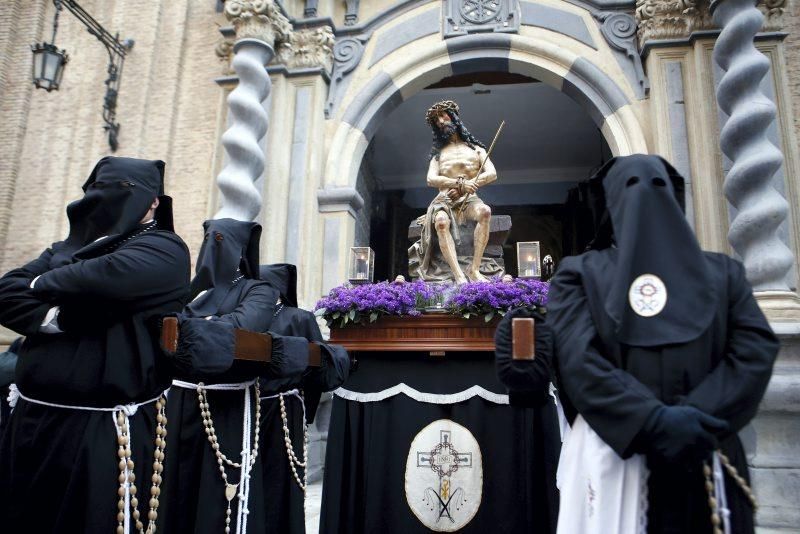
(523, 341)
(248, 346)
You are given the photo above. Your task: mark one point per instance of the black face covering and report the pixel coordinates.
(117, 195)
(283, 278)
(229, 250)
(659, 290)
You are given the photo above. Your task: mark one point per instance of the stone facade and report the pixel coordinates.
(642, 70)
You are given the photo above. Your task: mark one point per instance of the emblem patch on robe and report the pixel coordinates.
(444, 476)
(647, 295)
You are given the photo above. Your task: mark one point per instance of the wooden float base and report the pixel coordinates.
(436, 334)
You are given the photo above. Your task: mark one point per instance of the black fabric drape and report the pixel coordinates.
(368, 442)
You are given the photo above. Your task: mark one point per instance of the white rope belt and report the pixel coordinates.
(244, 491)
(127, 410)
(238, 386)
(15, 394)
(292, 392)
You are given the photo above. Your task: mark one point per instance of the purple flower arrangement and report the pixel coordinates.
(362, 304)
(488, 299)
(366, 302)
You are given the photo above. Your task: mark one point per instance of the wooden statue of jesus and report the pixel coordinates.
(456, 159)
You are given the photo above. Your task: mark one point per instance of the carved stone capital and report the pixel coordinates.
(224, 51)
(671, 19)
(677, 19)
(773, 14)
(308, 48)
(258, 19)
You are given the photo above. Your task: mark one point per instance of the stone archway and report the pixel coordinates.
(407, 74)
(587, 84)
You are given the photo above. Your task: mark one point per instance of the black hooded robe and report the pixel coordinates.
(285, 499)
(715, 357)
(529, 390)
(193, 491)
(59, 467)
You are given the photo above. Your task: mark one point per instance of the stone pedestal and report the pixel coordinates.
(771, 440)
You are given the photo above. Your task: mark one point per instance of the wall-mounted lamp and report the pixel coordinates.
(49, 61)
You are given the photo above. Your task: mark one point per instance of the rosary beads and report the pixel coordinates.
(222, 460)
(127, 478)
(295, 462)
(713, 503)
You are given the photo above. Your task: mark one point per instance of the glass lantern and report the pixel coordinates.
(361, 266)
(528, 262)
(48, 66)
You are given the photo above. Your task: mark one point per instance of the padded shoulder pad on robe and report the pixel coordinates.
(205, 348)
(289, 356)
(334, 370)
(532, 376)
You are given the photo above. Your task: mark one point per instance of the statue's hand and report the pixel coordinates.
(470, 186)
(453, 194)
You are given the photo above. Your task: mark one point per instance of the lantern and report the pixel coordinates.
(362, 265)
(48, 66)
(528, 263)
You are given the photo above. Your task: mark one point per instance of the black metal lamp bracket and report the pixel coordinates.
(116, 58)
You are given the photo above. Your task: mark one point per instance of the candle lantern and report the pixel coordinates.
(362, 265)
(528, 263)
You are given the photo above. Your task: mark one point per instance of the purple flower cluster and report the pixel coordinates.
(359, 303)
(348, 304)
(486, 298)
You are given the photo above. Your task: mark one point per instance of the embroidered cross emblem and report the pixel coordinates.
(444, 460)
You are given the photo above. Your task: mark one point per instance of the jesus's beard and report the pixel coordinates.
(447, 131)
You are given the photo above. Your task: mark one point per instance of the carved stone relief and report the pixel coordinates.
(466, 16)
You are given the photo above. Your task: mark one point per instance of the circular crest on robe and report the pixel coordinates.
(444, 476)
(647, 295)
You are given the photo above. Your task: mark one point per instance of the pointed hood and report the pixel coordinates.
(117, 195)
(658, 290)
(283, 278)
(230, 249)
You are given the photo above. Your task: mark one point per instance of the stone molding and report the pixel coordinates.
(308, 48)
(347, 54)
(619, 30)
(333, 199)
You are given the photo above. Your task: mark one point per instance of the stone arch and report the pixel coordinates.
(566, 71)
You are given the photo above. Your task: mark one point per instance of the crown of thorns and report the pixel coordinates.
(439, 107)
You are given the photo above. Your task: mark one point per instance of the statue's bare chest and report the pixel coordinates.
(458, 159)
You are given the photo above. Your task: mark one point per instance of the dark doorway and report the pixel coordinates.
(548, 145)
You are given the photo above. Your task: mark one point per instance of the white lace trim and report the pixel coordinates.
(419, 396)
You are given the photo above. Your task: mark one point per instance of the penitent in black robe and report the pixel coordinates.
(194, 493)
(58, 467)
(226, 290)
(723, 372)
(285, 499)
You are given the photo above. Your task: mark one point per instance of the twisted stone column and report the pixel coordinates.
(258, 23)
(743, 138)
